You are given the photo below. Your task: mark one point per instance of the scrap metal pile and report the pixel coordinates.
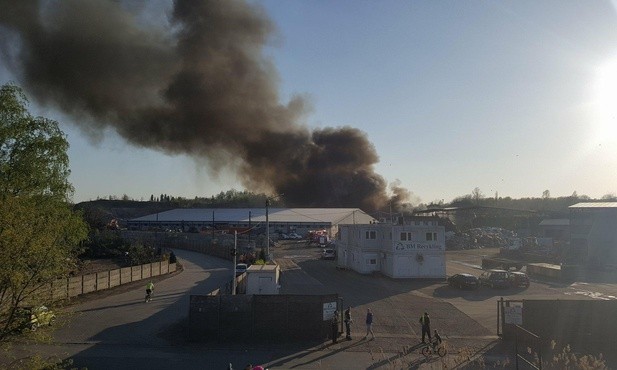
(481, 237)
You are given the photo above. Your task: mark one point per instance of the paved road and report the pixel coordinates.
(122, 332)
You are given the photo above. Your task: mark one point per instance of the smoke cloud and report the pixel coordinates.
(196, 84)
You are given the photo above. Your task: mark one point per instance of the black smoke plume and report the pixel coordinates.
(196, 83)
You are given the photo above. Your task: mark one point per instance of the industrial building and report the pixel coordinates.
(593, 234)
(280, 220)
(414, 250)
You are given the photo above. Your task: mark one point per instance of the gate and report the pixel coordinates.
(509, 313)
(528, 349)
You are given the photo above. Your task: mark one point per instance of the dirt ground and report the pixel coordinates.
(97, 265)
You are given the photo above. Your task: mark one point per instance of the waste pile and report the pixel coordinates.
(481, 237)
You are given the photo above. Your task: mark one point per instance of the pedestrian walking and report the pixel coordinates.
(348, 321)
(369, 323)
(425, 321)
(334, 326)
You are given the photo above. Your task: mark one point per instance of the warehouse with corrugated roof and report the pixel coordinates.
(280, 220)
(593, 234)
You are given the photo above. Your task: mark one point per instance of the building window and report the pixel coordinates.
(371, 234)
(406, 236)
(431, 236)
(372, 261)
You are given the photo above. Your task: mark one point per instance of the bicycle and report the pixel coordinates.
(148, 296)
(432, 348)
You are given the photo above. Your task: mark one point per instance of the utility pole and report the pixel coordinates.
(267, 231)
(250, 231)
(234, 253)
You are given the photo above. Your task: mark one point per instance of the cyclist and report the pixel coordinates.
(149, 290)
(436, 339)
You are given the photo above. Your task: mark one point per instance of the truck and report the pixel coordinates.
(501, 263)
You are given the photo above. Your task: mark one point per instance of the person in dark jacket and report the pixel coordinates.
(369, 323)
(348, 321)
(425, 321)
(334, 326)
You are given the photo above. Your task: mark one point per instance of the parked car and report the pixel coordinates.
(328, 254)
(31, 318)
(241, 268)
(519, 279)
(495, 279)
(294, 236)
(464, 281)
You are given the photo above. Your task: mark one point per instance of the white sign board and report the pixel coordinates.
(513, 315)
(328, 310)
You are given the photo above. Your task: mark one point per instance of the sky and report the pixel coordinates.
(511, 97)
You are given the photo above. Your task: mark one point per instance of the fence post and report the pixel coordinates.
(539, 354)
(499, 308)
(516, 345)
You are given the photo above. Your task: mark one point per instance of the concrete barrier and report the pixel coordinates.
(146, 271)
(136, 273)
(114, 278)
(102, 280)
(60, 289)
(155, 269)
(77, 285)
(88, 283)
(125, 275)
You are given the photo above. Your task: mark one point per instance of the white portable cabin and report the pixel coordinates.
(263, 279)
(397, 251)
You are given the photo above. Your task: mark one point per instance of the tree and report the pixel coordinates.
(546, 194)
(39, 232)
(476, 195)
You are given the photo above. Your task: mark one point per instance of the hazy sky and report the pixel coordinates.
(513, 97)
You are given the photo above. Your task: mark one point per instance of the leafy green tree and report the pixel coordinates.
(39, 232)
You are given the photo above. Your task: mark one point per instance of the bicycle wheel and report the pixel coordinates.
(441, 351)
(426, 351)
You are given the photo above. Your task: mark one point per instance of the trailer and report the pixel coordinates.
(501, 263)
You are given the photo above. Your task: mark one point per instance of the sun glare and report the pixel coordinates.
(606, 102)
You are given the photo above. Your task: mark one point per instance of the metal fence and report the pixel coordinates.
(528, 349)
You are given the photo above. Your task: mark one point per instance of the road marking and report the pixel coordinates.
(594, 295)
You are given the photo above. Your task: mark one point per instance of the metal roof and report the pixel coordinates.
(595, 205)
(555, 222)
(289, 215)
